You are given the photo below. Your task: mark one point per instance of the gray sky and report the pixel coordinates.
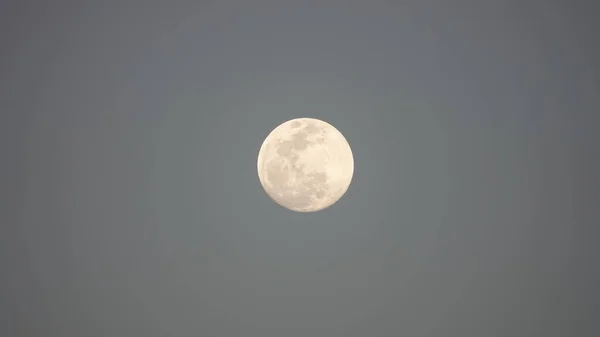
(131, 205)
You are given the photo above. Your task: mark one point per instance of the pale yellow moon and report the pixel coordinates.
(305, 165)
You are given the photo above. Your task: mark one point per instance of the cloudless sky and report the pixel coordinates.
(130, 202)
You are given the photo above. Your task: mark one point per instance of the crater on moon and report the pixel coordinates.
(305, 165)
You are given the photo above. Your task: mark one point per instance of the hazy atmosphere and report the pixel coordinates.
(131, 206)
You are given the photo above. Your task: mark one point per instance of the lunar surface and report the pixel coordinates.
(305, 165)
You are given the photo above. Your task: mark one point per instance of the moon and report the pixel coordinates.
(305, 165)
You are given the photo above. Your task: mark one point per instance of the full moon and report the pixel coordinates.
(305, 165)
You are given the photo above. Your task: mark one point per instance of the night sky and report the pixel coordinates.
(130, 204)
